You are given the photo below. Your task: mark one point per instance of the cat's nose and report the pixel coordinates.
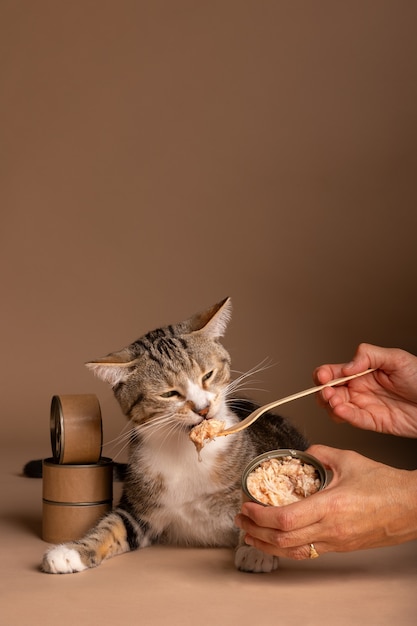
(203, 412)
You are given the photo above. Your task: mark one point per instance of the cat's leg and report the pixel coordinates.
(250, 559)
(116, 533)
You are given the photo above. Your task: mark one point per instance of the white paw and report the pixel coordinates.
(249, 559)
(62, 560)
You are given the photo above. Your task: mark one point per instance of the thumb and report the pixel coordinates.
(327, 455)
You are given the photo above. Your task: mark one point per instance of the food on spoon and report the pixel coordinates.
(280, 481)
(206, 430)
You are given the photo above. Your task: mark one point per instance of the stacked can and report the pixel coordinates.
(77, 480)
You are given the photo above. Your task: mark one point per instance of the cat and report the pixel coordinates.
(166, 383)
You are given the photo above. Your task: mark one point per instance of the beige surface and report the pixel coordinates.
(162, 585)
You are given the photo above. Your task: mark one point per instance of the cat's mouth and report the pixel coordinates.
(200, 421)
(206, 430)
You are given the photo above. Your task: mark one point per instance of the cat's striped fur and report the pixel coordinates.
(167, 382)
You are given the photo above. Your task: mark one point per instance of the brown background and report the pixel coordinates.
(159, 156)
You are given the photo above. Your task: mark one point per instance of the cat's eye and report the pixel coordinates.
(170, 394)
(207, 376)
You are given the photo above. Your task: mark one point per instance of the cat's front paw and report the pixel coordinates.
(249, 559)
(62, 560)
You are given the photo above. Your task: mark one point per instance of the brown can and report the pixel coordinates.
(74, 498)
(76, 429)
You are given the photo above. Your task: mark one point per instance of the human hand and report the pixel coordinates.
(366, 505)
(383, 401)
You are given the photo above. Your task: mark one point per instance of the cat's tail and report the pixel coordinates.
(33, 469)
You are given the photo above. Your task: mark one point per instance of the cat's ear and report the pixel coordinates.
(213, 321)
(113, 368)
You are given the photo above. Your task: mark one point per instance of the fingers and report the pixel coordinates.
(281, 519)
(338, 401)
(300, 552)
(366, 356)
(325, 373)
(291, 544)
(282, 526)
(332, 458)
(335, 401)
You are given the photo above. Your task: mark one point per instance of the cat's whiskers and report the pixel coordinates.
(239, 382)
(152, 426)
(121, 436)
(124, 438)
(122, 449)
(265, 364)
(166, 424)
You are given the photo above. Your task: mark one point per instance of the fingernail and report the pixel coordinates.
(249, 540)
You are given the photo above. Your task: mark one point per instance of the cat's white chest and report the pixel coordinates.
(186, 477)
(191, 488)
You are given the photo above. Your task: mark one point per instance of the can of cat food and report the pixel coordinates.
(74, 498)
(279, 477)
(76, 429)
(66, 522)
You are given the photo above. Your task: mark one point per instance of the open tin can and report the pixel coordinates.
(281, 454)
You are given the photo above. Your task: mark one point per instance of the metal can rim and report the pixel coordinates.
(102, 462)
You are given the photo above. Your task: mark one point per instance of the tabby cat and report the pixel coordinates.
(166, 383)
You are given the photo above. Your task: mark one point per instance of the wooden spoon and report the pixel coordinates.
(252, 417)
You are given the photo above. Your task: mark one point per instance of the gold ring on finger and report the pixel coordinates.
(313, 554)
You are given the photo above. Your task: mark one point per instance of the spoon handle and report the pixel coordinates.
(267, 407)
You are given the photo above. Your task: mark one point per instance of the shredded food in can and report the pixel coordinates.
(280, 481)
